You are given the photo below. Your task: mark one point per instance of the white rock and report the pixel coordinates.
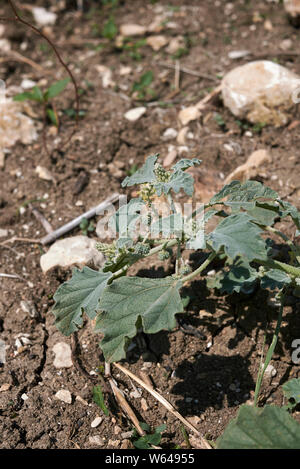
(2, 351)
(132, 30)
(188, 114)
(63, 355)
(5, 45)
(175, 43)
(27, 84)
(79, 250)
(14, 125)
(182, 134)
(169, 134)
(24, 397)
(2, 159)
(270, 371)
(171, 157)
(238, 54)
(292, 7)
(106, 75)
(64, 395)
(96, 422)
(3, 233)
(249, 169)
(260, 91)
(43, 17)
(96, 440)
(157, 42)
(45, 174)
(135, 113)
(125, 70)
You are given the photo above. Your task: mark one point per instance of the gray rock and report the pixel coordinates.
(63, 355)
(64, 395)
(260, 91)
(292, 7)
(79, 250)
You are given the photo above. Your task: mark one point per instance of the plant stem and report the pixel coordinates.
(285, 238)
(178, 256)
(272, 264)
(198, 271)
(269, 353)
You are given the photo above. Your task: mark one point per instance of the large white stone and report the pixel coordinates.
(79, 250)
(292, 7)
(261, 92)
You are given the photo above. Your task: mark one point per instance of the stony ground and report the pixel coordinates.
(209, 374)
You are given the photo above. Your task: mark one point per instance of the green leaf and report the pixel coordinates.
(55, 89)
(250, 191)
(133, 302)
(186, 163)
(99, 399)
(240, 277)
(34, 95)
(289, 209)
(145, 81)
(264, 215)
(80, 293)
(291, 391)
(144, 174)
(275, 279)
(239, 237)
(261, 428)
(110, 29)
(178, 180)
(52, 116)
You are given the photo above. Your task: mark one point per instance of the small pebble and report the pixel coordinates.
(96, 422)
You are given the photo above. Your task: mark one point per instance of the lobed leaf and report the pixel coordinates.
(239, 237)
(133, 302)
(291, 390)
(261, 428)
(144, 174)
(80, 293)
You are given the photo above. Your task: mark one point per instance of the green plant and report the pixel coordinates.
(45, 98)
(142, 87)
(86, 226)
(270, 427)
(146, 441)
(246, 214)
(110, 29)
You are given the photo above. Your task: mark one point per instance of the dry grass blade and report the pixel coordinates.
(165, 403)
(201, 104)
(125, 406)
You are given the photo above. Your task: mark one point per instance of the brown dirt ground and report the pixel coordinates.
(205, 382)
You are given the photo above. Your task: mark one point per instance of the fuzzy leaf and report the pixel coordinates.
(291, 390)
(247, 192)
(178, 180)
(239, 237)
(133, 302)
(269, 427)
(186, 163)
(143, 175)
(80, 293)
(275, 279)
(240, 278)
(289, 209)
